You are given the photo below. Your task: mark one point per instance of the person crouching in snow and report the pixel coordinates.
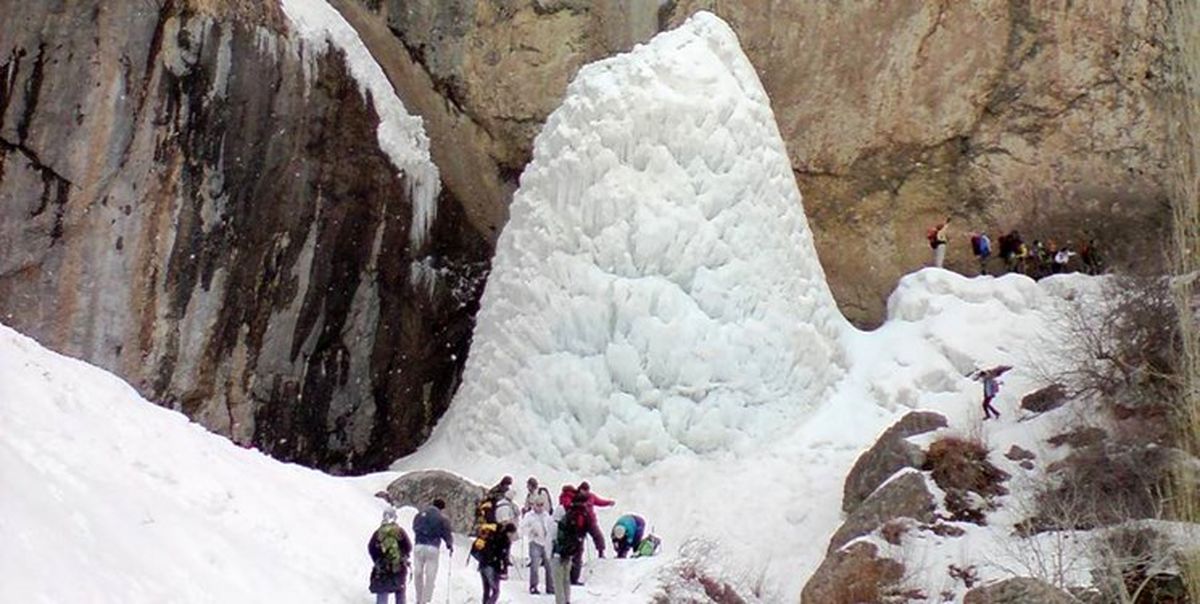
(627, 534)
(493, 561)
(991, 387)
(389, 548)
(538, 527)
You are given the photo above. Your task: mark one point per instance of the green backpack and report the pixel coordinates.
(389, 541)
(648, 546)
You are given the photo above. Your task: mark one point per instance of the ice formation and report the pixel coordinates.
(401, 134)
(656, 289)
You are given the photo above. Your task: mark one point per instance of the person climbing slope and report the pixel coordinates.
(389, 548)
(430, 529)
(627, 534)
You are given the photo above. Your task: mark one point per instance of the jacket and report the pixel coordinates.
(431, 527)
(495, 552)
(539, 527)
(383, 578)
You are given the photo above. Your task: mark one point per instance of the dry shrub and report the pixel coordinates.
(1136, 565)
(960, 467)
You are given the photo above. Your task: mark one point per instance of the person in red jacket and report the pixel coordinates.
(594, 501)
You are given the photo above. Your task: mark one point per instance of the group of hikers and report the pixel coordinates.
(556, 536)
(1037, 259)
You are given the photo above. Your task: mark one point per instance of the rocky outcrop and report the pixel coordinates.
(853, 575)
(195, 199)
(1045, 399)
(1000, 113)
(890, 453)
(905, 496)
(419, 489)
(1018, 590)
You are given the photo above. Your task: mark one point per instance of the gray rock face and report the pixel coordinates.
(1018, 590)
(889, 454)
(852, 575)
(419, 489)
(1045, 399)
(193, 200)
(905, 496)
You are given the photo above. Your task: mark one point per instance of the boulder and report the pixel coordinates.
(418, 489)
(1018, 590)
(852, 575)
(1016, 453)
(904, 496)
(890, 453)
(1079, 438)
(1045, 399)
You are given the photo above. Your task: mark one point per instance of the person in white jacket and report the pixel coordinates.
(538, 528)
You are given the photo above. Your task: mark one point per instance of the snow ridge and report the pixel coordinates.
(656, 289)
(401, 134)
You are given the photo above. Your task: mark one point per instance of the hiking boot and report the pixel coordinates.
(534, 591)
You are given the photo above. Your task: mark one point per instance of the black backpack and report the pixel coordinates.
(568, 539)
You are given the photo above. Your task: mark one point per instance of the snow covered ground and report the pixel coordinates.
(657, 323)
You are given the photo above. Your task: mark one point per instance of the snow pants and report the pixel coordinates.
(425, 567)
(491, 584)
(539, 559)
(562, 579)
(383, 597)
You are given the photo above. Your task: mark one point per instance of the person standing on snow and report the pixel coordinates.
(493, 562)
(981, 246)
(572, 528)
(430, 529)
(535, 494)
(538, 527)
(389, 548)
(594, 501)
(627, 534)
(991, 387)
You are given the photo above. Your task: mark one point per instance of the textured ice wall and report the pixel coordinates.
(656, 289)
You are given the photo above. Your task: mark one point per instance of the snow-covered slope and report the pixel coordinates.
(656, 290)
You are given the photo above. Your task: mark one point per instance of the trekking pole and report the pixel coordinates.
(449, 576)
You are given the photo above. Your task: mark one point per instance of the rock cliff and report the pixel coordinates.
(194, 197)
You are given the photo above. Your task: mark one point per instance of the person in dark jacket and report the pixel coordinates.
(627, 534)
(389, 548)
(493, 561)
(573, 527)
(430, 530)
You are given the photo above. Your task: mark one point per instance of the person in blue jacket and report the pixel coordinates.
(431, 528)
(627, 534)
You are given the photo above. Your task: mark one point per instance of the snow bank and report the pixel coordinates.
(401, 135)
(108, 498)
(656, 290)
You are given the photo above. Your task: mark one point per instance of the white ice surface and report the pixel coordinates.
(401, 135)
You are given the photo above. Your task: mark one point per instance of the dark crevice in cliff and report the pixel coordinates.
(33, 89)
(55, 188)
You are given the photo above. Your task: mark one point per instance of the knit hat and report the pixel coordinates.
(389, 515)
(619, 531)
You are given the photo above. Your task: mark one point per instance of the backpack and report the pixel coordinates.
(567, 540)
(985, 245)
(976, 245)
(931, 235)
(483, 535)
(648, 546)
(485, 514)
(393, 558)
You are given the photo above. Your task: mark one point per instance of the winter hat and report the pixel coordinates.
(389, 515)
(619, 531)
(439, 504)
(584, 486)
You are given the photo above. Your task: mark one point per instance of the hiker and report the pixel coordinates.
(535, 494)
(1010, 249)
(493, 561)
(501, 488)
(938, 237)
(389, 548)
(627, 534)
(981, 246)
(1061, 258)
(538, 527)
(574, 525)
(430, 528)
(594, 501)
(991, 387)
(1089, 255)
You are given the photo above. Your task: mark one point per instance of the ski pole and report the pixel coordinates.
(450, 575)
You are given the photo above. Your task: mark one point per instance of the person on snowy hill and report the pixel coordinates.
(594, 501)
(572, 528)
(430, 530)
(535, 494)
(493, 562)
(991, 387)
(627, 534)
(981, 246)
(389, 548)
(538, 527)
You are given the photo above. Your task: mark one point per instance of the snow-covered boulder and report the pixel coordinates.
(418, 489)
(905, 496)
(656, 290)
(890, 453)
